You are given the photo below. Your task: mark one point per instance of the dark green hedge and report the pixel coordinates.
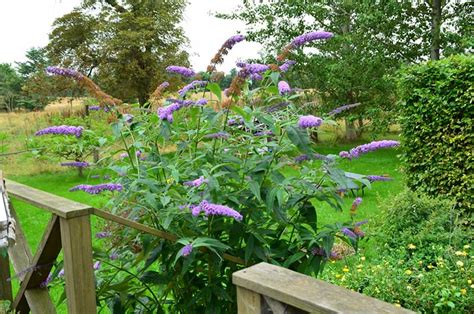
(437, 133)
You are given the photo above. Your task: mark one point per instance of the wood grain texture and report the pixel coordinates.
(248, 302)
(57, 205)
(46, 255)
(38, 299)
(307, 293)
(78, 271)
(5, 283)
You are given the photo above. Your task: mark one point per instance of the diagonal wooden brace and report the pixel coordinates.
(41, 265)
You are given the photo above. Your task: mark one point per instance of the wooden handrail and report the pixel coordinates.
(280, 287)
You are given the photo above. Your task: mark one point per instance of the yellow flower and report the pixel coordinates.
(430, 266)
(408, 272)
(345, 269)
(333, 262)
(463, 291)
(467, 246)
(359, 270)
(460, 264)
(362, 258)
(411, 246)
(397, 305)
(338, 276)
(469, 281)
(472, 286)
(169, 180)
(459, 253)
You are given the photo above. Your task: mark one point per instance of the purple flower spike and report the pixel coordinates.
(378, 178)
(46, 282)
(309, 122)
(114, 256)
(96, 189)
(78, 164)
(196, 183)
(187, 249)
(166, 113)
(96, 265)
(201, 102)
(284, 88)
(219, 210)
(102, 235)
(186, 72)
(233, 40)
(360, 223)
(222, 135)
(163, 85)
(263, 133)
(61, 273)
(286, 65)
(357, 201)
(311, 36)
(94, 108)
(342, 108)
(64, 72)
(349, 233)
(237, 121)
(62, 130)
(191, 86)
(256, 77)
(363, 149)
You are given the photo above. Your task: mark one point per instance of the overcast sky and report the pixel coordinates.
(27, 23)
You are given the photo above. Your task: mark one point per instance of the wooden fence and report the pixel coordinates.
(261, 288)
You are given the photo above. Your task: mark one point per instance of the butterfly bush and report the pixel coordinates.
(235, 181)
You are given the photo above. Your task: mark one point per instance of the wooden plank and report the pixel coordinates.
(57, 205)
(307, 293)
(5, 283)
(78, 271)
(153, 231)
(248, 302)
(46, 255)
(39, 300)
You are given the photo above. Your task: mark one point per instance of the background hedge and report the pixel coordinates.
(437, 133)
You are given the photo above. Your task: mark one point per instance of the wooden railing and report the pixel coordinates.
(262, 288)
(266, 288)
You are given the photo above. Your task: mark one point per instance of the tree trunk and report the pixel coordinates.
(435, 29)
(80, 172)
(351, 132)
(360, 126)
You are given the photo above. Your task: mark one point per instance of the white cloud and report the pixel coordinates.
(27, 23)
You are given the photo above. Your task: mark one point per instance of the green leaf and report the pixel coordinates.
(153, 277)
(255, 188)
(215, 89)
(293, 258)
(299, 137)
(249, 248)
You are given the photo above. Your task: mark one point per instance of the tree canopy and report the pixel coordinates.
(126, 45)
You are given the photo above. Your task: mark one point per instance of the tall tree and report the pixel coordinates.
(126, 45)
(371, 41)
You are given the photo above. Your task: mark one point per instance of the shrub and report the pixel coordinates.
(424, 261)
(437, 129)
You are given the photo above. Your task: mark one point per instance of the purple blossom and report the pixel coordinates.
(363, 149)
(360, 223)
(61, 273)
(229, 43)
(210, 209)
(319, 251)
(263, 133)
(309, 122)
(342, 108)
(181, 102)
(62, 130)
(374, 178)
(113, 256)
(305, 157)
(186, 72)
(256, 77)
(251, 69)
(190, 86)
(286, 65)
(123, 155)
(222, 135)
(201, 102)
(96, 265)
(94, 108)
(46, 282)
(357, 201)
(96, 189)
(197, 182)
(284, 88)
(128, 117)
(237, 121)
(226, 92)
(163, 85)
(187, 249)
(64, 72)
(311, 36)
(102, 234)
(349, 233)
(79, 164)
(166, 113)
